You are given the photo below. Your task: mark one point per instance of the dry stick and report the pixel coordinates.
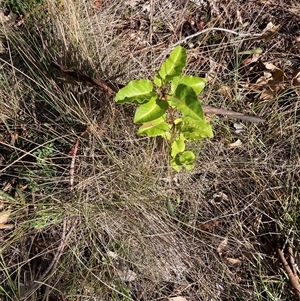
(55, 260)
(212, 110)
(241, 35)
(151, 22)
(292, 277)
(292, 260)
(73, 153)
(87, 79)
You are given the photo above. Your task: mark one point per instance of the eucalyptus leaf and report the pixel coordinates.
(187, 157)
(157, 81)
(196, 129)
(195, 82)
(158, 127)
(176, 165)
(173, 65)
(151, 110)
(178, 146)
(140, 91)
(185, 100)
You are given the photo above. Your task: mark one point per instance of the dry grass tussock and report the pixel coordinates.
(130, 229)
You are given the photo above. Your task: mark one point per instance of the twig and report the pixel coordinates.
(241, 35)
(292, 277)
(73, 153)
(100, 83)
(292, 260)
(232, 114)
(151, 22)
(148, 49)
(52, 266)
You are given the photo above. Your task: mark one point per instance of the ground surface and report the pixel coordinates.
(90, 210)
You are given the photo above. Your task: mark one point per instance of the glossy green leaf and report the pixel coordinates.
(176, 165)
(196, 129)
(178, 146)
(195, 82)
(139, 91)
(173, 65)
(158, 127)
(151, 110)
(157, 81)
(187, 159)
(185, 99)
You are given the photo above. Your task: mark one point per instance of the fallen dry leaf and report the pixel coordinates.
(4, 216)
(277, 75)
(252, 59)
(272, 83)
(222, 246)
(209, 226)
(7, 227)
(237, 143)
(177, 299)
(127, 275)
(267, 94)
(269, 31)
(296, 77)
(233, 261)
(225, 91)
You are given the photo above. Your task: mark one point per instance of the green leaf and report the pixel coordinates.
(196, 129)
(158, 127)
(173, 65)
(195, 82)
(139, 91)
(157, 81)
(187, 159)
(176, 165)
(178, 146)
(151, 110)
(185, 100)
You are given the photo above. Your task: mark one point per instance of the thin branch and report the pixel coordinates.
(100, 83)
(292, 277)
(292, 260)
(52, 266)
(239, 35)
(231, 114)
(73, 153)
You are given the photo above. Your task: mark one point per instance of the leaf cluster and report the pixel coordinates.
(169, 107)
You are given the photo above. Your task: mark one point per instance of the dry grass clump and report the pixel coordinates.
(128, 228)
